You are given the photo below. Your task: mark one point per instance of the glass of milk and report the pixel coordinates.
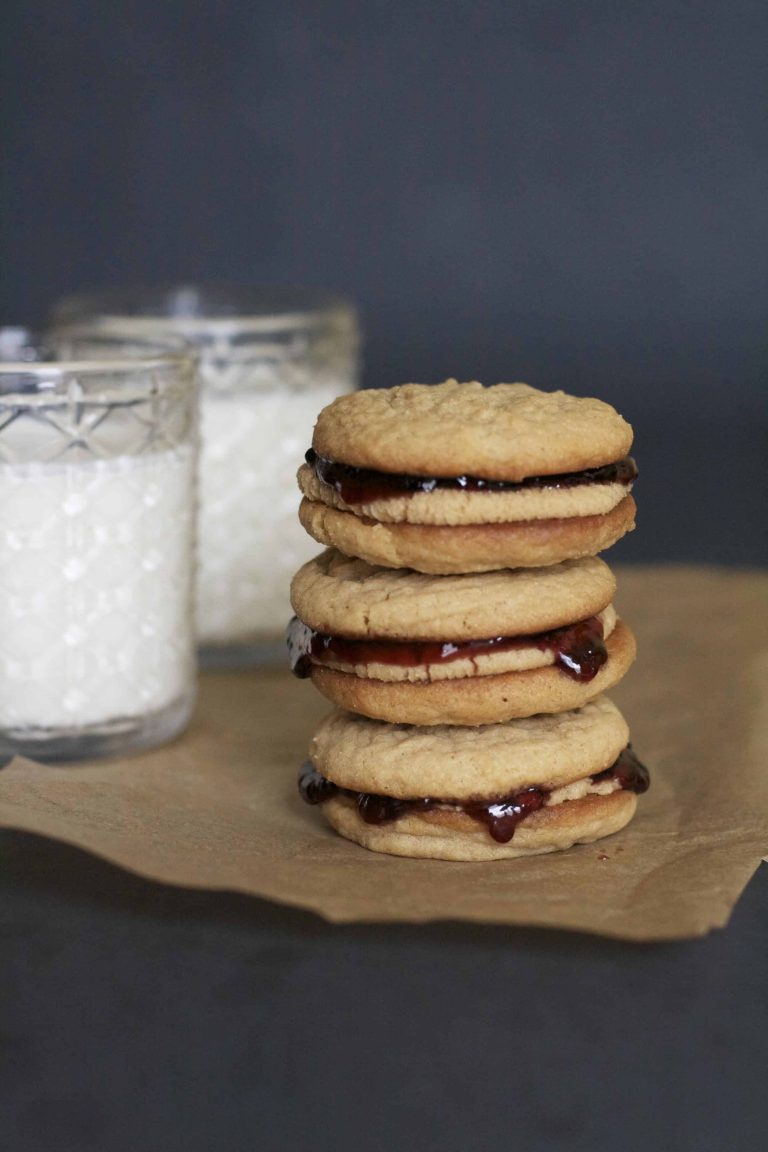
(269, 361)
(98, 438)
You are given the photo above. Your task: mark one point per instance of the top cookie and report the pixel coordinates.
(505, 432)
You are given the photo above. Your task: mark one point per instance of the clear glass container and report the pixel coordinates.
(269, 361)
(98, 439)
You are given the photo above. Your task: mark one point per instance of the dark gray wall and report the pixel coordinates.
(573, 194)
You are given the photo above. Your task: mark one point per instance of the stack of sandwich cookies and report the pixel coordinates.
(461, 622)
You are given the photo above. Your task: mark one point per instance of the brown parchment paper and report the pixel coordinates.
(219, 809)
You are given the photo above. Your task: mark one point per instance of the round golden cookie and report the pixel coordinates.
(443, 834)
(465, 548)
(408, 762)
(446, 506)
(343, 596)
(473, 700)
(505, 432)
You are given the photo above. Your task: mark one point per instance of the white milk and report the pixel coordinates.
(250, 541)
(95, 588)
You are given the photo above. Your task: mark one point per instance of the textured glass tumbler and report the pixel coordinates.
(269, 361)
(97, 466)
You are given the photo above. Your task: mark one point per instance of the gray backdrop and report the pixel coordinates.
(573, 194)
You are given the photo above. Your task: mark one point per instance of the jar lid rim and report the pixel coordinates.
(198, 310)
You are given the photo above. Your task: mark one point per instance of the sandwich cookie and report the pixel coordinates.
(411, 648)
(517, 789)
(460, 478)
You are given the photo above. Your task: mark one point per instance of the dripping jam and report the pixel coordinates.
(364, 485)
(579, 649)
(501, 816)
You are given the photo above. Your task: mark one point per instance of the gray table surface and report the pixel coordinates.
(138, 1017)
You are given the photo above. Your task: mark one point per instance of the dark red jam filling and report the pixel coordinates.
(631, 775)
(364, 485)
(579, 649)
(501, 817)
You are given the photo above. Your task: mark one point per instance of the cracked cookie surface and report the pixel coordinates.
(504, 432)
(344, 596)
(409, 761)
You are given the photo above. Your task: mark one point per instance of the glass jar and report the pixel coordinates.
(269, 361)
(98, 440)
